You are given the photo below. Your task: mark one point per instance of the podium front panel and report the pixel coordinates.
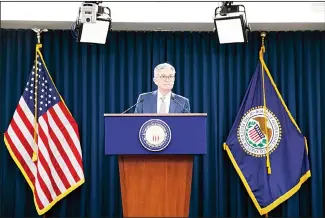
(186, 135)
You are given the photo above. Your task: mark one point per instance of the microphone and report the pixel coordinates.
(133, 106)
(174, 99)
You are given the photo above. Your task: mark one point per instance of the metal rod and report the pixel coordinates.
(38, 33)
(263, 35)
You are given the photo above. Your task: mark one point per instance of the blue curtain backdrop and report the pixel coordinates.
(98, 79)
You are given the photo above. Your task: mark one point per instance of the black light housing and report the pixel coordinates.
(93, 23)
(231, 23)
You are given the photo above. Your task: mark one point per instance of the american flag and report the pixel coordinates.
(255, 133)
(58, 168)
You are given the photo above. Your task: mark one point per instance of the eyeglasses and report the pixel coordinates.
(164, 77)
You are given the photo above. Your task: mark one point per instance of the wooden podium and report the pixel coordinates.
(155, 160)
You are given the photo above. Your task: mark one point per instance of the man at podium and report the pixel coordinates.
(163, 100)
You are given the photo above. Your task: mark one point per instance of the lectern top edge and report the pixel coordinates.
(157, 115)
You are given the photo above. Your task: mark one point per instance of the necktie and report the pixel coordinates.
(162, 109)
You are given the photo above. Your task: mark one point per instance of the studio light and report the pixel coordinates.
(231, 24)
(93, 23)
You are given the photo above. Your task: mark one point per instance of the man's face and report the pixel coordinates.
(165, 79)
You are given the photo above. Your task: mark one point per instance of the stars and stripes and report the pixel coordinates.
(45, 127)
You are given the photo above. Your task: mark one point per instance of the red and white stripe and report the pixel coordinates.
(59, 166)
(254, 135)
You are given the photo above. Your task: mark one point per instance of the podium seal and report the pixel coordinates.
(155, 135)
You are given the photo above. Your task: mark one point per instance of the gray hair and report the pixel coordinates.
(163, 66)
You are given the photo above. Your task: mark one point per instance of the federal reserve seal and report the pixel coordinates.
(258, 135)
(155, 135)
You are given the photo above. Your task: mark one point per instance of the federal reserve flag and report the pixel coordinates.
(266, 146)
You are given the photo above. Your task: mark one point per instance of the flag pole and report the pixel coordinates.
(262, 50)
(38, 46)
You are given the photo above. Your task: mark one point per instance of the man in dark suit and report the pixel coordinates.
(163, 100)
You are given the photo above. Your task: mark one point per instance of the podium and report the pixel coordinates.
(155, 156)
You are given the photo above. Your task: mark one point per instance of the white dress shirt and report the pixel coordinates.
(167, 100)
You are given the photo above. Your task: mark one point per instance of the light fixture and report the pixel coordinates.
(231, 24)
(93, 23)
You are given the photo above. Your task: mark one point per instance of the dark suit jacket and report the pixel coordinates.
(149, 104)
